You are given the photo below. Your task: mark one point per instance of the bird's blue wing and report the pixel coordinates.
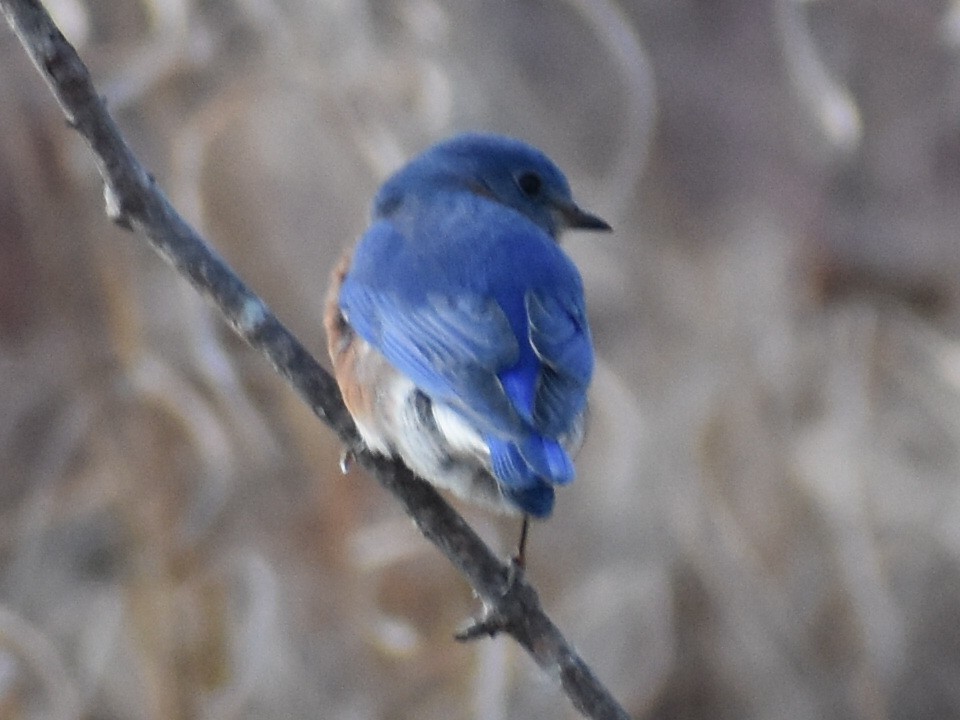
(560, 336)
(450, 345)
(550, 390)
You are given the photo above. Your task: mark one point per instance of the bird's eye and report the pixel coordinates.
(529, 183)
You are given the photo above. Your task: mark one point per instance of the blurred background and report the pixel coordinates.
(766, 522)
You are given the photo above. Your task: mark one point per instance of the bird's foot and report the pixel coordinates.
(493, 621)
(490, 625)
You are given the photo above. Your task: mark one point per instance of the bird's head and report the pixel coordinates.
(502, 169)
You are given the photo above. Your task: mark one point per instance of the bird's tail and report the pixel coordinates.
(527, 471)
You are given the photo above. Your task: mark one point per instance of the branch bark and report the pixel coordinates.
(135, 202)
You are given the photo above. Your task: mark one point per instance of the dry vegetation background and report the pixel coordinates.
(767, 518)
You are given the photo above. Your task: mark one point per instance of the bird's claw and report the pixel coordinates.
(492, 622)
(490, 625)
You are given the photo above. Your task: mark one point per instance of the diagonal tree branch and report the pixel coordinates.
(135, 202)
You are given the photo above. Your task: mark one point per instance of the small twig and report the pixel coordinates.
(135, 202)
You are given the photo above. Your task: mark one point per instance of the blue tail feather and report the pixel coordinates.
(526, 474)
(548, 460)
(536, 501)
(509, 465)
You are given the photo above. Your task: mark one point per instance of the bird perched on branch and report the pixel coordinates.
(457, 326)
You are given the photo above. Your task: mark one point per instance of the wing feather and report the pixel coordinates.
(560, 337)
(452, 347)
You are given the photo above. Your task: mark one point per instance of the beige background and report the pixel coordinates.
(766, 522)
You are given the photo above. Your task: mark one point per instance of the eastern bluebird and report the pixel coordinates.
(457, 326)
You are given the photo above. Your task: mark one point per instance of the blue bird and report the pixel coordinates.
(457, 326)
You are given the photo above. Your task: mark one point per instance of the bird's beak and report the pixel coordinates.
(576, 218)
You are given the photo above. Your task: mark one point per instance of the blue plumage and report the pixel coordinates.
(460, 285)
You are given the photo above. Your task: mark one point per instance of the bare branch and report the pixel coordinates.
(134, 201)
